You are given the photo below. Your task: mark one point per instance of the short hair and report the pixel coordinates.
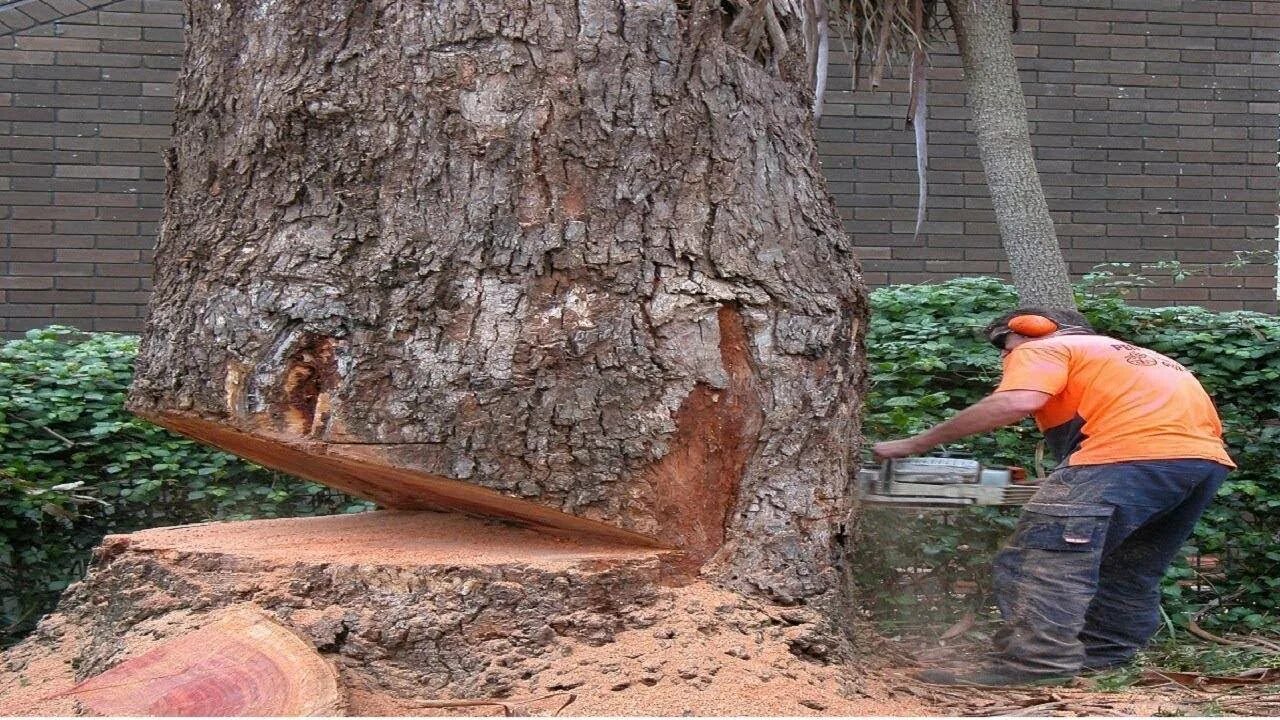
(1070, 321)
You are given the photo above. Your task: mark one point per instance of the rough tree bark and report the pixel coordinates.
(982, 30)
(571, 262)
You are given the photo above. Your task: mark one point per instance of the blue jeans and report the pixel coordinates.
(1078, 584)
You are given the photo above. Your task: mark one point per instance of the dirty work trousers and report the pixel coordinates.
(1078, 583)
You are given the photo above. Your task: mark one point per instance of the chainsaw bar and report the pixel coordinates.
(944, 482)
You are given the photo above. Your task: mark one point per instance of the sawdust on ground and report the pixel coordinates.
(706, 654)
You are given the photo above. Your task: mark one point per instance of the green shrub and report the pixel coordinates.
(928, 359)
(75, 466)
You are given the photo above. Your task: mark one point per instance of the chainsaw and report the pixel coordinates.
(942, 481)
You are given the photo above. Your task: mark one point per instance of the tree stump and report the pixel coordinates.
(423, 613)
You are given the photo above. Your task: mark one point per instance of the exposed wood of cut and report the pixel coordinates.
(399, 539)
(578, 254)
(369, 472)
(241, 664)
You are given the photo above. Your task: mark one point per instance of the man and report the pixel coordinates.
(1140, 455)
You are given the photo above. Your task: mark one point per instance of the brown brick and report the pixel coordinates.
(50, 269)
(53, 100)
(26, 226)
(49, 240)
(96, 227)
(96, 171)
(44, 184)
(69, 7)
(28, 114)
(163, 34)
(173, 7)
(102, 60)
(137, 214)
(95, 199)
(99, 116)
(25, 283)
(23, 198)
(146, 20)
(109, 297)
(53, 212)
(121, 325)
(50, 157)
(27, 57)
(97, 144)
(1109, 40)
(97, 283)
(143, 47)
(142, 241)
(57, 44)
(97, 255)
(100, 32)
(15, 310)
(1121, 16)
(52, 297)
(135, 131)
(80, 87)
(1183, 294)
(125, 270)
(25, 255)
(92, 309)
(137, 103)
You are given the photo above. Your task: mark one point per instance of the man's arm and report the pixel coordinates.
(993, 411)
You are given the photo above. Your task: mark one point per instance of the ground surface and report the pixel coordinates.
(418, 611)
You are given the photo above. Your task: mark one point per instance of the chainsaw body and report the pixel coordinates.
(942, 482)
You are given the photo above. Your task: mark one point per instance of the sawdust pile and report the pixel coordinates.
(708, 652)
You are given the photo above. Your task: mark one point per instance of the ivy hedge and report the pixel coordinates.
(928, 359)
(75, 466)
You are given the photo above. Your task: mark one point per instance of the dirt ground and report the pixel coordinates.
(675, 651)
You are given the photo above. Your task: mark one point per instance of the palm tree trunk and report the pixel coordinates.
(1004, 142)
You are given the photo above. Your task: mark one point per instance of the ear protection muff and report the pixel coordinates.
(1032, 325)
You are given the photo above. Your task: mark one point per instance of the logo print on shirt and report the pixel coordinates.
(1140, 359)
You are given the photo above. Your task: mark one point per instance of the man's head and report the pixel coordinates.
(1027, 323)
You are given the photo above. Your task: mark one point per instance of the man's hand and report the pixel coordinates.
(905, 447)
(989, 413)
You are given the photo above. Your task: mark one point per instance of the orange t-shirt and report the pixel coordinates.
(1113, 402)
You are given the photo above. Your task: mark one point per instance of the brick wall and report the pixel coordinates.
(1155, 129)
(85, 111)
(1154, 121)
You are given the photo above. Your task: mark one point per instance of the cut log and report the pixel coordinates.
(571, 262)
(241, 664)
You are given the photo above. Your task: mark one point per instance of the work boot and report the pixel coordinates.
(989, 676)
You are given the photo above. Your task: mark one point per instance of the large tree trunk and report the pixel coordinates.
(1004, 142)
(569, 262)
